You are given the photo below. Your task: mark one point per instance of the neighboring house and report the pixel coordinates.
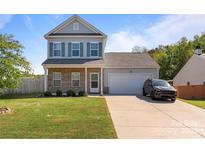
(190, 81)
(76, 60)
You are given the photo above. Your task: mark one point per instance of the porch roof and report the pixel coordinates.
(74, 61)
(111, 60)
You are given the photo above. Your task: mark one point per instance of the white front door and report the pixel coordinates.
(94, 82)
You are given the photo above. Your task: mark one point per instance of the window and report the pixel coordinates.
(75, 79)
(57, 79)
(56, 49)
(76, 26)
(75, 49)
(94, 49)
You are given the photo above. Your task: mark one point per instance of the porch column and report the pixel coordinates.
(45, 80)
(101, 81)
(86, 85)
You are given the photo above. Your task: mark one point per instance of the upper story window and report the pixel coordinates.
(75, 26)
(76, 49)
(56, 49)
(94, 49)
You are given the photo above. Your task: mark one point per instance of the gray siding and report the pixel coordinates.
(83, 40)
(155, 72)
(69, 29)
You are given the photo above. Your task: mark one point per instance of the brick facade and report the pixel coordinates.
(66, 79)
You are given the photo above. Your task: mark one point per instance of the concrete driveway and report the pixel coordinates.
(141, 117)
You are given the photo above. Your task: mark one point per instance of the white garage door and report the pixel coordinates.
(127, 83)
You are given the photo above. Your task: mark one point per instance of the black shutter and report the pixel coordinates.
(88, 49)
(51, 49)
(63, 49)
(69, 49)
(81, 49)
(100, 49)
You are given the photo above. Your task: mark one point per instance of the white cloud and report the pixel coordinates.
(171, 28)
(57, 16)
(124, 41)
(28, 22)
(168, 30)
(4, 19)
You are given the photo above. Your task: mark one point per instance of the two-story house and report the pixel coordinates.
(76, 60)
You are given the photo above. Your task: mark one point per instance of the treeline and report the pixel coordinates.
(173, 57)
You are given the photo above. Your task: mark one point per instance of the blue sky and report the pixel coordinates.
(124, 31)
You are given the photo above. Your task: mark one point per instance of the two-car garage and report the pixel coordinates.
(127, 83)
(125, 73)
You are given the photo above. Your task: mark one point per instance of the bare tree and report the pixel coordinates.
(139, 49)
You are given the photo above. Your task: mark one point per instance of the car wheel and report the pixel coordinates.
(144, 94)
(173, 99)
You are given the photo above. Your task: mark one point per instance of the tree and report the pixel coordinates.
(172, 58)
(12, 63)
(199, 40)
(139, 49)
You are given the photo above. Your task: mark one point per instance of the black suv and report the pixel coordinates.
(159, 89)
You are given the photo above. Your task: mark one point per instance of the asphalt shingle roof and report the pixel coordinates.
(117, 60)
(73, 61)
(130, 60)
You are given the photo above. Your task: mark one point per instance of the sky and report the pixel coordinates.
(124, 31)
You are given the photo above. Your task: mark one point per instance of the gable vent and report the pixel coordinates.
(75, 26)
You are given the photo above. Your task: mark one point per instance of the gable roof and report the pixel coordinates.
(192, 71)
(129, 60)
(111, 60)
(54, 32)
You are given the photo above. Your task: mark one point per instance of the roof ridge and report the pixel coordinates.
(125, 53)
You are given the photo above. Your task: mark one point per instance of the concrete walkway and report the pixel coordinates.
(141, 117)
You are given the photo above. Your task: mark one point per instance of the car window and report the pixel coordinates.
(161, 83)
(147, 83)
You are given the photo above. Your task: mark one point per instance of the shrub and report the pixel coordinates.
(59, 93)
(47, 93)
(70, 93)
(82, 93)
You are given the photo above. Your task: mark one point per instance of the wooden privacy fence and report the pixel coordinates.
(28, 85)
(191, 92)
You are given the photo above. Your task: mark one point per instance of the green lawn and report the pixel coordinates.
(79, 117)
(198, 103)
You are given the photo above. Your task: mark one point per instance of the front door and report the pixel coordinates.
(94, 82)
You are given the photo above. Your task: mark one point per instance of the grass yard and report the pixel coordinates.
(198, 103)
(78, 117)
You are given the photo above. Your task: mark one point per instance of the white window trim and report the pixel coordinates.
(97, 49)
(74, 49)
(72, 80)
(57, 79)
(60, 49)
